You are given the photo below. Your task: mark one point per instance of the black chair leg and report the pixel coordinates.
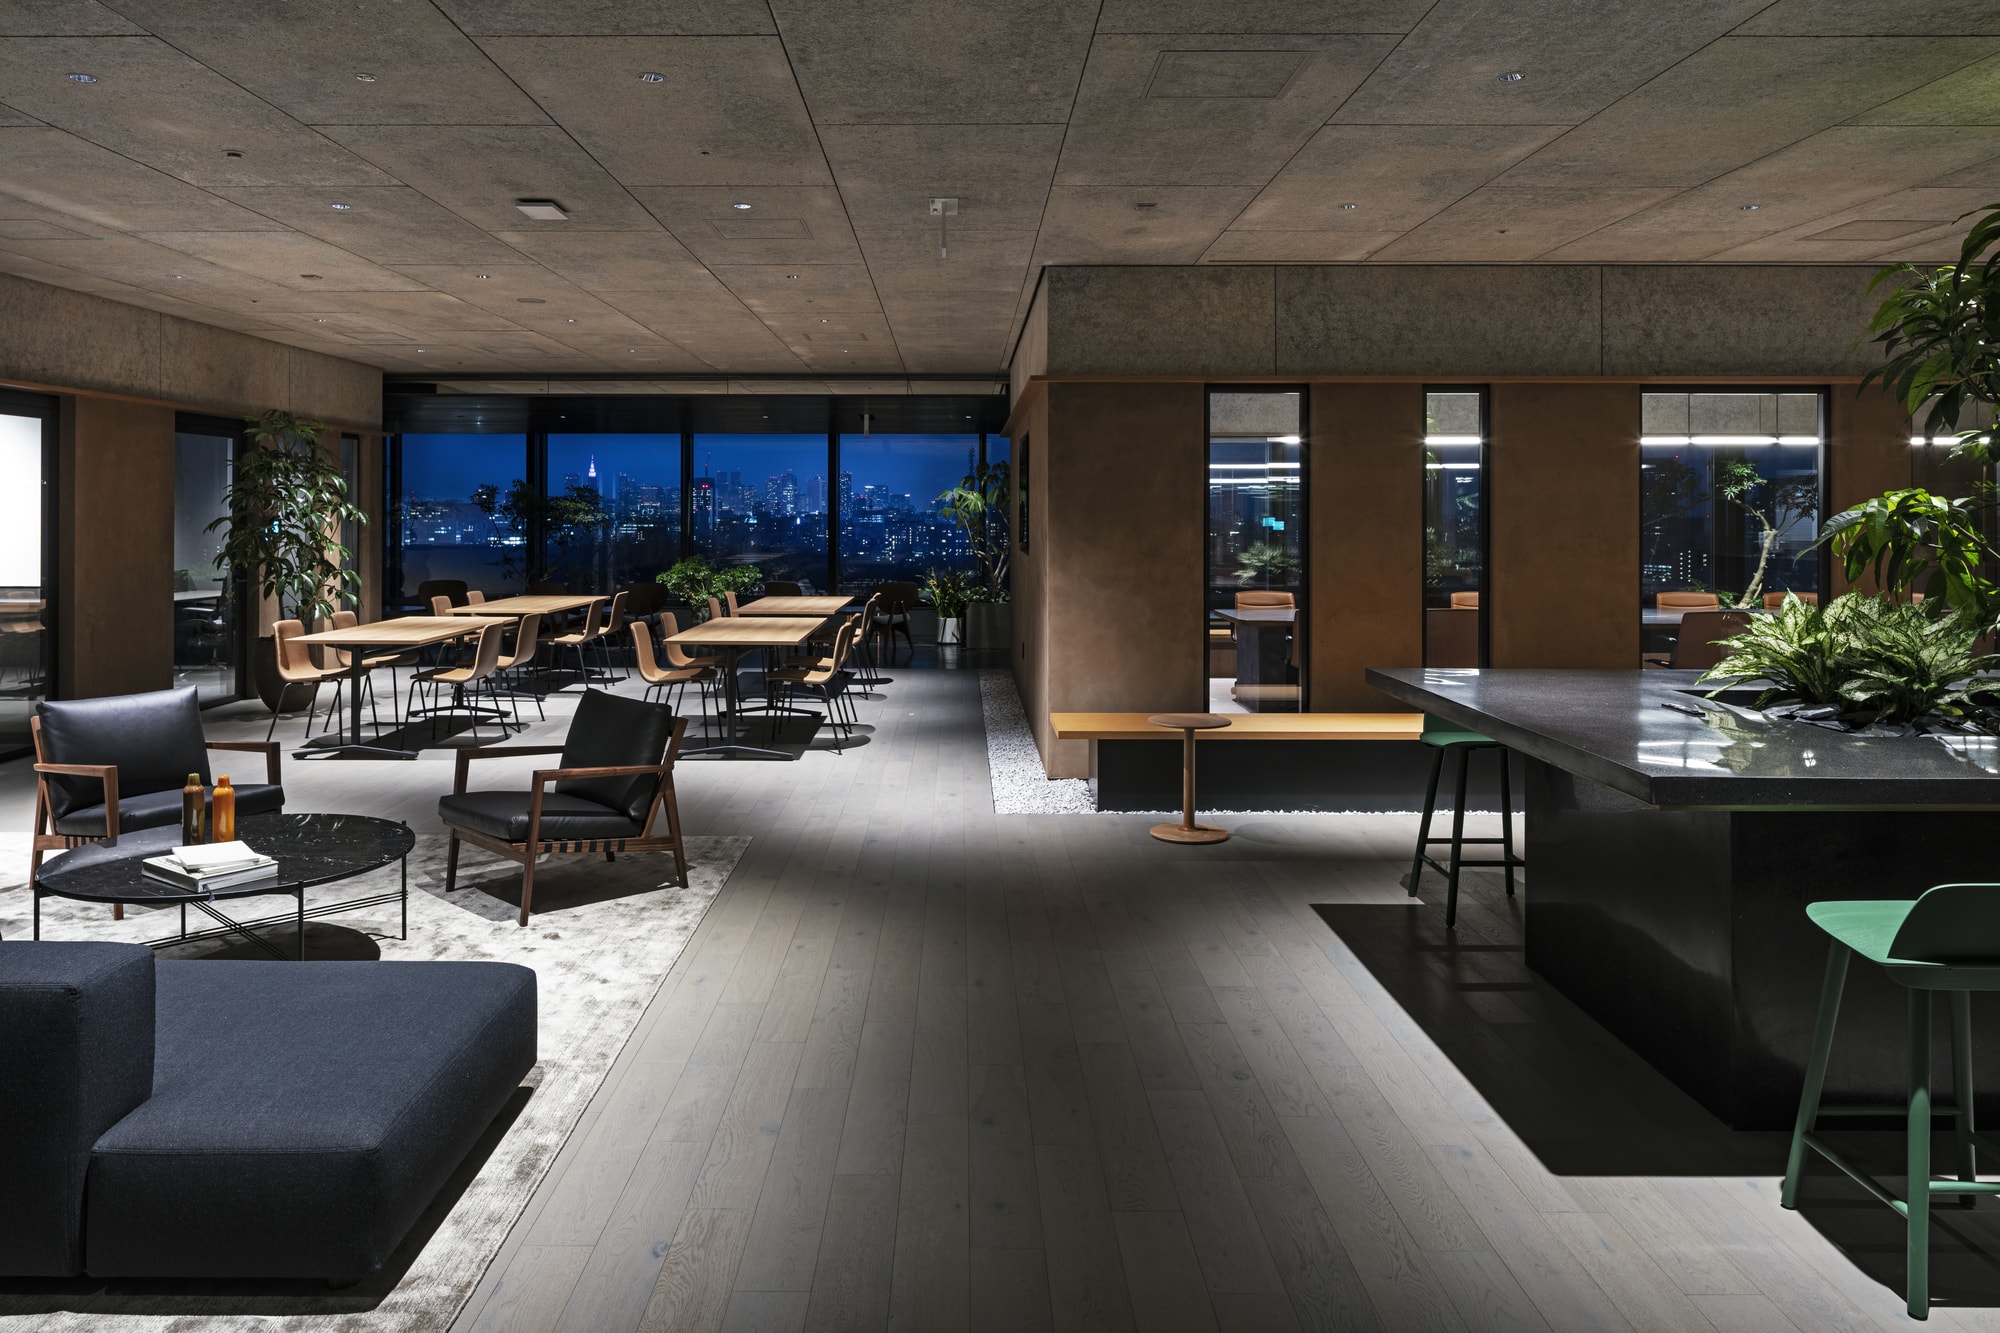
(1424, 825)
(1506, 816)
(1457, 839)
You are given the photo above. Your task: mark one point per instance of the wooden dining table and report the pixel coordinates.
(401, 634)
(823, 607)
(532, 604)
(735, 635)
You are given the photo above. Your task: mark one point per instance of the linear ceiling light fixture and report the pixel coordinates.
(652, 77)
(740, 207)
(542, 210)
(1512, 76)
(340, 208)
(83, 78)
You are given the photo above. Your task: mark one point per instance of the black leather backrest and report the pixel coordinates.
(79, 1023)
(610, 731)
(155, 740)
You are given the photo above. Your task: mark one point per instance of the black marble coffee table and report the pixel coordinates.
(310, 850)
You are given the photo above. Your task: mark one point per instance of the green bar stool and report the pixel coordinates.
(1947, 940)
(1447, 738)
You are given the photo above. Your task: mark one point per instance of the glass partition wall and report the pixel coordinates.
(1454, 527)
(208, 639)
(1256, 557)
(1730, 503)
(27, 592)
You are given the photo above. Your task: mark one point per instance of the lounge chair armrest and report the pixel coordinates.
(545, 775)
(271, 750)
(472, 752)
(105, 773)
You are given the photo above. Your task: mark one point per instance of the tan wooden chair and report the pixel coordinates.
(659, 680)
(296, 667)
(1774, 600)
(474, 597)
(893, 602)
(577, 639)
(1686, 601)
(520, 659)
(1465, 601)
(729, 599)
(441, 606)
(1262, 599)
(612, 786)
(826, 680)
(477, 673)
(715, 611)
(677, 657)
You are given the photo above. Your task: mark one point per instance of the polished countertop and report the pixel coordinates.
(1614, 728)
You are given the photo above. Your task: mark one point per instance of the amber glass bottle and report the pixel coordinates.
(222, 812)
(191, 803)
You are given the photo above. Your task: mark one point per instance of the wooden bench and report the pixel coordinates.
(1349, 761)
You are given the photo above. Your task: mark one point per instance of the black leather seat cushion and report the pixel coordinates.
(155, 740)
(504, 815)
(160, 808)
(303, 1114)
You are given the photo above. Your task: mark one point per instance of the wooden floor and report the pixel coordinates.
(927, 1068)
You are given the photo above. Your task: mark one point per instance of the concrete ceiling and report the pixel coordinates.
(200, 173)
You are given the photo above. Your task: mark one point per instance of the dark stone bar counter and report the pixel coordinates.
(1671, 858)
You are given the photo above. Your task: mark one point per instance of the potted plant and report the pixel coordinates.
(693, 581)
(978, 505)
(287, 502)
(947, 590)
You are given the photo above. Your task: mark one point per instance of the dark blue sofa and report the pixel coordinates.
(239, 1119)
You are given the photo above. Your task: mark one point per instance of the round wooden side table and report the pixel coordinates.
(1187, 830)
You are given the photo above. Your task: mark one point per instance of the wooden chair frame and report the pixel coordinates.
(48, 840)
(525, 853)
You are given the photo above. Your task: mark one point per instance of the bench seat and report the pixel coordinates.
(1245, 727)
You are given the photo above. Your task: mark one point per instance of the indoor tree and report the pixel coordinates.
(979, 505)
(562, 520)
(1939, 329)
(287, 502)
(1776, 504)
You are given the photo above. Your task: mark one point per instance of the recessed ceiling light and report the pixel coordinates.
(365, 78)
(83, 78)
(791, 275)
(739, 206)
(631, 349)
(1348, 208)
(1751, 208)
(420, 349)
(650, 77)
(826, 321)
(319, 321)
(479, 275)
(542, 210)
(1512, 76)
(173, 275)
(569, 321)
(340, 208)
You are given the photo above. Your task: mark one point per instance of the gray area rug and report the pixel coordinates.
(601, 942)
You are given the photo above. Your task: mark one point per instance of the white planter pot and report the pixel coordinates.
(948, 629)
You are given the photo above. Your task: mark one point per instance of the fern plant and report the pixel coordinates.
(1800, 650)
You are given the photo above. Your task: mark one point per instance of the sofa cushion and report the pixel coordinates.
(78, 1019)
(161, 808)
(155, 739)
(504, 815)
(303, 1114)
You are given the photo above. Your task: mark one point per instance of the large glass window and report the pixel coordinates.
(465, 511)
(617, 516)
(890, 528)
(762, 500)
(25, 649)
(207, 631)
(1729, 502)
(1256, 550)
(1454, 527)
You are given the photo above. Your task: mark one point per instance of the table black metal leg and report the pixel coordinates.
(406, 894)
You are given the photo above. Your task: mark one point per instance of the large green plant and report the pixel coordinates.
(287, 502)
(979, 505)
(693, 581)
(563, 521)
(1940, 335)
(1800, 650)
(1912, 540)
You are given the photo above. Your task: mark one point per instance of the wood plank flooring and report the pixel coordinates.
(927, 1068)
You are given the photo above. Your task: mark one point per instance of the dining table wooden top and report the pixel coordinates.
(402, 632)
(751, 631)
(795, 606)
(536, 604)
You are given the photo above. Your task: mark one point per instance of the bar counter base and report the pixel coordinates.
(1253, 775)
(1684, 933)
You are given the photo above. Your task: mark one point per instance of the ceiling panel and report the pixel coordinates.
(1140, 121)
(93, 188)
(1504, 223)
(1136, 224)
(1736, 100)
(531, 297)
(1573, 62)
(1876, 18)
(887, 174)
(726, 110)
(1890, 225)
(643, 261)
(9, 116)
(390, 224)
(1971, 96)
(1261, 16)
(769, 289)
(1394, 176)
(782, 225)
(479, 171)
(1334, 245)
(286, 259)
(51, 18)
(158, 106)
(719, 331)
(305, 60)
(567, 18)
(894, 62)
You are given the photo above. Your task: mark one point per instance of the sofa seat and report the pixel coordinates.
(504, 815)
(155, 809)
(303, 1115)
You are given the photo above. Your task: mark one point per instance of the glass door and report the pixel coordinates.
(1255, 595)
(1454, 528)
(208, 619)
(27, 595)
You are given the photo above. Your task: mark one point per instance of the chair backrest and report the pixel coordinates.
(729, 597)
(155, 739)
(670, 626)
(1696, 648)
(642, 653)
(474, 597)
(1774, 600)
(547, 589)
(486, 650)
(715, 608)
(843, 641)
(338, 656)
(526, 638)
(1464, 600)
(612, 731)
(593, 616)
(895, 599)
(452, 590)
(441, 606)
(294, 661)
(1951, 923)
(79, 1023)
(615, 616)
(781, 588)
(1678, 601)
(1262, 600)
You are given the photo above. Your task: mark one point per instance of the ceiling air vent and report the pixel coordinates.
(542, 210)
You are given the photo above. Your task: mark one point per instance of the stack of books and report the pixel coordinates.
(211, 866)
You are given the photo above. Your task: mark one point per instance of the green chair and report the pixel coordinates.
(1445, 738)
(1947, 940)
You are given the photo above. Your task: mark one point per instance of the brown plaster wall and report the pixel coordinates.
(1123, 466)
(115, 548)
(1565, 542)
(1868, 452)
(1029, 573)
(1365, 471)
